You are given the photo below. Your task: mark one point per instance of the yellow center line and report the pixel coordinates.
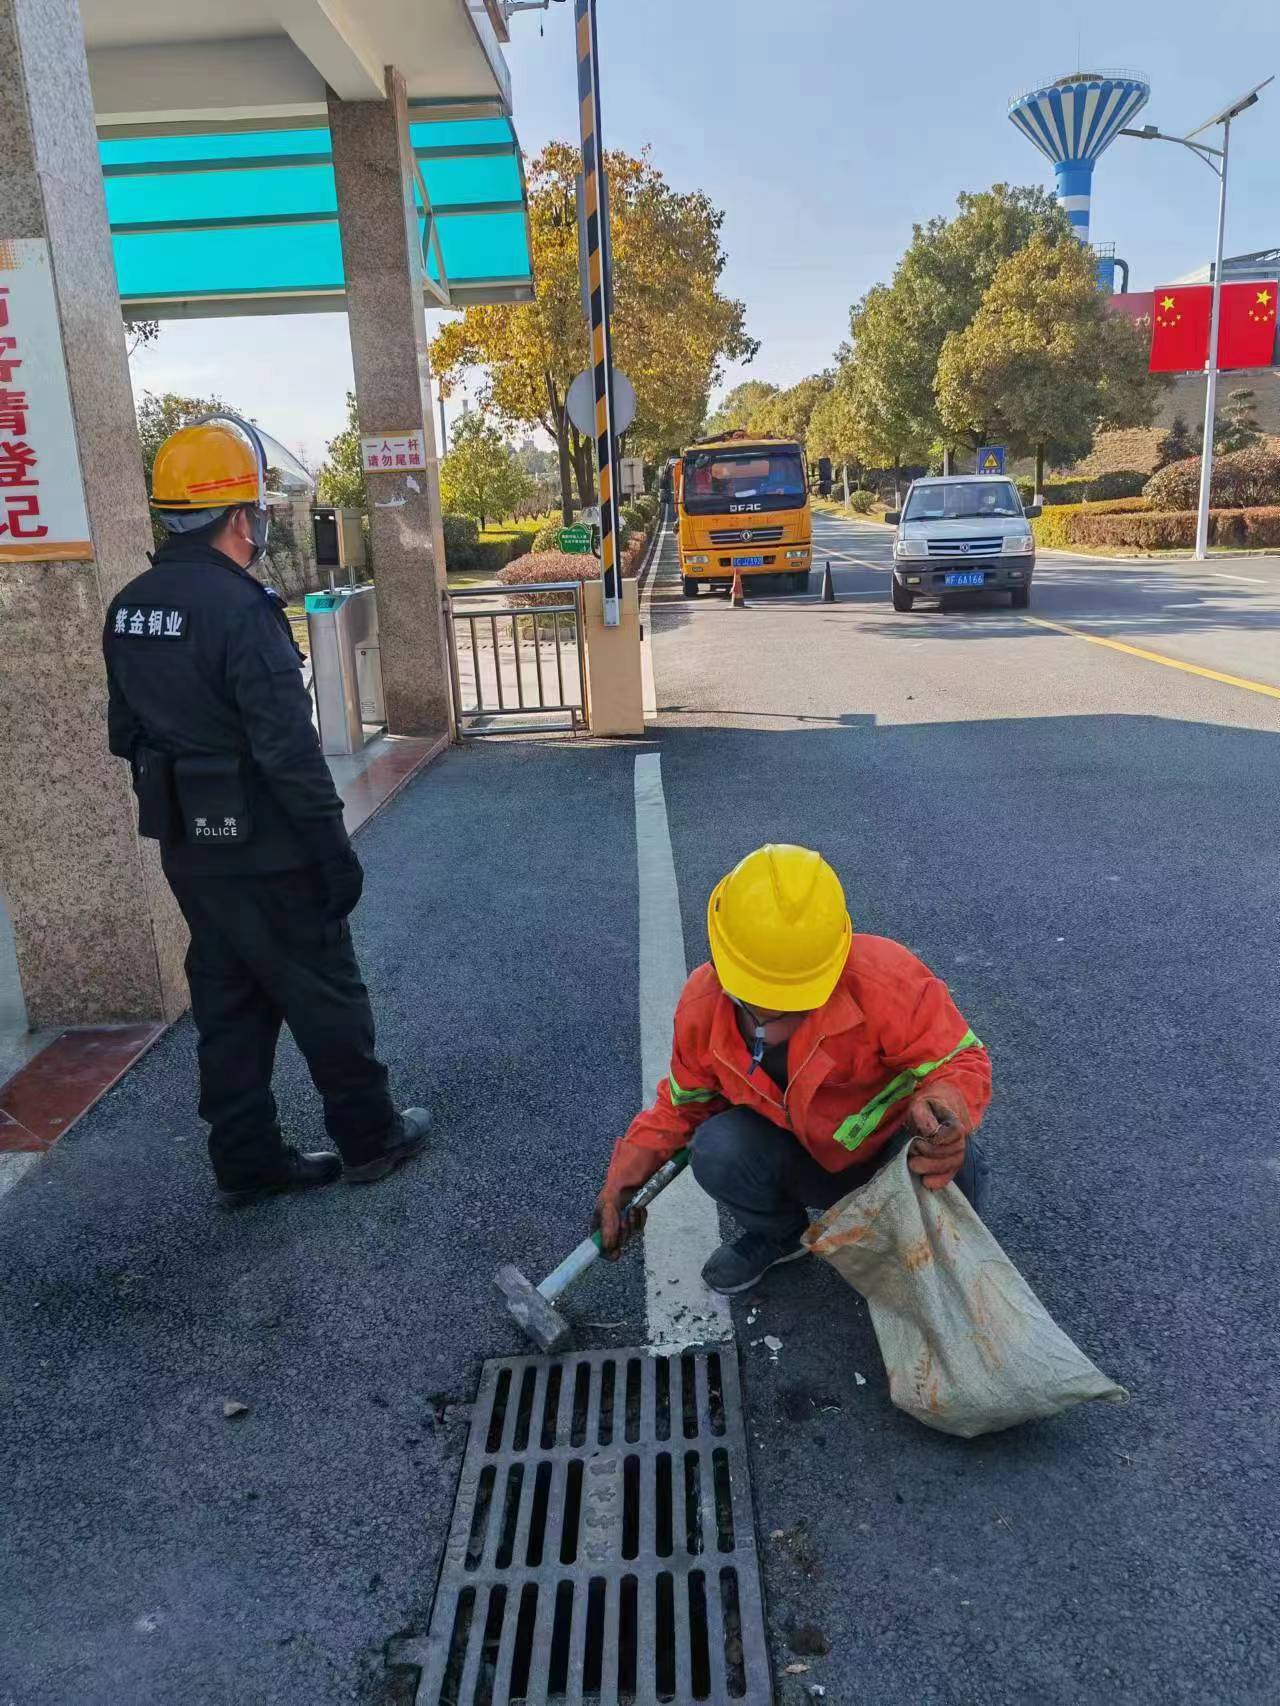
(1157, 657)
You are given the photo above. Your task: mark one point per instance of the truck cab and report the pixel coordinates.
(742, 507)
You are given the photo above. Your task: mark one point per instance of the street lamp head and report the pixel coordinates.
(1231, 111)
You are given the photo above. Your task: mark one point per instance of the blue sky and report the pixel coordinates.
(824, 133)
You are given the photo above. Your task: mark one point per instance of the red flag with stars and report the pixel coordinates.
(1180, 328)
(1247, 324)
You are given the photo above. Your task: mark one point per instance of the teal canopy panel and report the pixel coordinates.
(246, 222)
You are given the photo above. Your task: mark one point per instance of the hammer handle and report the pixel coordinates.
(579, 1260)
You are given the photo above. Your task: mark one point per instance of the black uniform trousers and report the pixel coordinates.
(263, 954)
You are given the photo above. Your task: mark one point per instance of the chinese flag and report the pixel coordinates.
(1247, 325)
(1180, 328)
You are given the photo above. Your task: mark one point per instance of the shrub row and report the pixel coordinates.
(1258, 527)
(1131, 524)
(1054, 527)
(465, 552)
(541, 566)
(1242, 479)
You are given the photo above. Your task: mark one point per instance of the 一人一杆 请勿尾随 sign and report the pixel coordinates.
(42, 504)
(392, 452)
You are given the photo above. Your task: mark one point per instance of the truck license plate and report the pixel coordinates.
(748, 562)
(965, 577)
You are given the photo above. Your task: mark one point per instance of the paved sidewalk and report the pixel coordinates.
(156, 1552)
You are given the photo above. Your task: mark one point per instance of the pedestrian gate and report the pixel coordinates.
(515, 663)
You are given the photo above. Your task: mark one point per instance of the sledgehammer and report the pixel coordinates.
(530, 1306)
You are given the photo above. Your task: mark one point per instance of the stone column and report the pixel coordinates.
(97, 934)
(382, 258)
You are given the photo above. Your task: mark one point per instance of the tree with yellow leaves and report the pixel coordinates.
(672, 329)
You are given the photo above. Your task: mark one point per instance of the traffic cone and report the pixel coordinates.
(739, 596)
(828, 589)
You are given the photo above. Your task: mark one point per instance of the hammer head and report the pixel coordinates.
(530, 1311)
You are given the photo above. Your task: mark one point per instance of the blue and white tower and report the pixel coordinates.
(1072, 121)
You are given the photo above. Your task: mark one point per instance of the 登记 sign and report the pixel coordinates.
(391, 452)
(42, 504)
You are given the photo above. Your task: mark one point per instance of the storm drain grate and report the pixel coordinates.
(603, 1545)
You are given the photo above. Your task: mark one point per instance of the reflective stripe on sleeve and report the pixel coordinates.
(681, 1098)
(854, 1131)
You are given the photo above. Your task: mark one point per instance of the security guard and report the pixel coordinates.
(207, 704)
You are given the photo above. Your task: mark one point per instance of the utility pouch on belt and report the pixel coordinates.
(158, 817)
(212, 800)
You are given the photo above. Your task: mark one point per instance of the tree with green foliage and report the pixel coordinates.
(1235, 425)
(672, 328)
(1176, 445)
(341, 478)
(899, 329)
(480, 477)
(735, 411)
(1044, 362)
(786, 414)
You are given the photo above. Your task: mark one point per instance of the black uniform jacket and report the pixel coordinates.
(206, 687)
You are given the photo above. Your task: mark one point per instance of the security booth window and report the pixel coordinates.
(715, 480)
(968, 500)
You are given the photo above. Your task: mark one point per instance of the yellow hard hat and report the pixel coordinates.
(211, 465)
(780, 930)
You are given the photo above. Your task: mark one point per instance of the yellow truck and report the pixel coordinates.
(742, 507)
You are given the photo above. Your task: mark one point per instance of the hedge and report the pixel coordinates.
(1242, 479)
(1055, 527)
(561, 566)
(1157, 530)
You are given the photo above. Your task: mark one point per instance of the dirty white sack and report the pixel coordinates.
(968, 1345)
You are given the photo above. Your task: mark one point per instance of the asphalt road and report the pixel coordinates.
(1082, 842)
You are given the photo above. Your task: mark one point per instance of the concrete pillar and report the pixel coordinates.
(382, 258)
(97, 934)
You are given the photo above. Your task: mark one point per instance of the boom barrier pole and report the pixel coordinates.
(600, 289)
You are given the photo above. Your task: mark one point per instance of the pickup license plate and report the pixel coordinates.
(964, 577)
(748, 562)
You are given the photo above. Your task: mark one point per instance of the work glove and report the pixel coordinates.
(628, 1170)
(341, 885)
(940, 1118)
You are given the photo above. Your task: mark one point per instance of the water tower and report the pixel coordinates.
(1071, 121)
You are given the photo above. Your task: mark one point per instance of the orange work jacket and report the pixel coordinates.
(852, 1066)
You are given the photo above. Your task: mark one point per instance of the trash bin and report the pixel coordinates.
(346, 666)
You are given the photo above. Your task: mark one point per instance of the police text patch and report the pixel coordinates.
(149, 622)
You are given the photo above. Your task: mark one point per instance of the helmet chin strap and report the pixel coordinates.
(758, 1040)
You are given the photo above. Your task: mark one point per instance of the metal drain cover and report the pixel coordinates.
(603, 1546)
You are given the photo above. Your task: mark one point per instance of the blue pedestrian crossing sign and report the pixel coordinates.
(991, 459)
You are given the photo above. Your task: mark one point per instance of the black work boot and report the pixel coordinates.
(297, 1172)
(408, 1138)
(737, 1266)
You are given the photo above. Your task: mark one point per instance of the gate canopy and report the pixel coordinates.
(246, 221)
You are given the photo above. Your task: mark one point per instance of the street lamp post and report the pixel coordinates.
(1216, 160)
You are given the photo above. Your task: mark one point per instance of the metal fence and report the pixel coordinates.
(516, 663)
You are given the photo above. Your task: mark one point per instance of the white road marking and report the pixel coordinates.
(1253, 580)
(684, 1224)
(13, 1166)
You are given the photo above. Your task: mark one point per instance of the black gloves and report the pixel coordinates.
(341, 885)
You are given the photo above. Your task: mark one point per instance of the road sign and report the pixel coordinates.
(991, 459)
(577, 540)
(580, 404)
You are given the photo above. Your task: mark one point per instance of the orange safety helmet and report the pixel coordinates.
(209, 467)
